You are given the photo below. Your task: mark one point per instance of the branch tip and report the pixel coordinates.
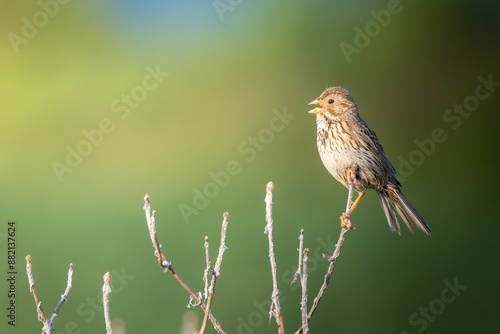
(167, 265)
(107, 277)
(270, 187)
(275, 310)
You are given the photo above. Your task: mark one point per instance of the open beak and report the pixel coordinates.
(315, 110)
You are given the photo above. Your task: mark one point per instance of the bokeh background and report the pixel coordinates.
(232, 67)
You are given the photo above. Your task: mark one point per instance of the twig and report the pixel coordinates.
(297, 274)
(332, 259)
(64, 296)
(222, 245)
(275, 310)
(301, 274)
(106, 291)
(167, 265)
(350, 194)
(47, 323)
(216, 271)
(208, 269)
(303, 283)
(47, 328)
(208, 288)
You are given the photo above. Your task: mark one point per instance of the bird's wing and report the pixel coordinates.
(371, 139)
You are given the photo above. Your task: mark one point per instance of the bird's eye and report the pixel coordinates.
(330, 101)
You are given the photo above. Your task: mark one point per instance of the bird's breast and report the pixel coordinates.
(339, 150)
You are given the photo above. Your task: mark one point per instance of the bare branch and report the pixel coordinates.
(208, 291)
(336, 253)
(297, 274)
(333, 261)
(150, 219)
(64, 296)
(303, 283)
(106, 291)
(350, 194)
(215, 272)
(208, 269)
(47, 323)
(167, 265)
(222, 246)
(47, 328)
(275, 305)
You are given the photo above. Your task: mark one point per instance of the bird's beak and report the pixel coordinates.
(315, 110)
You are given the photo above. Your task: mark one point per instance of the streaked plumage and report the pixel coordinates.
(345, 140)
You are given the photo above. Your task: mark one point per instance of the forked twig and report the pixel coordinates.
(210, 291)
(326, 281)
(332, 259)
(275, 310)
(167, 265)
(47, 323)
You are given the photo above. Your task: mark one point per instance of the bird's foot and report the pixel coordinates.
(345, 221)
(351, 174)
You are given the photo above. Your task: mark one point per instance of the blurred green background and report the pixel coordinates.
(232, 67)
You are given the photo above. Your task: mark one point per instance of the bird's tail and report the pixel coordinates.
(392, 201)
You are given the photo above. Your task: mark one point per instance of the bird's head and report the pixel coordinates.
(334, 102)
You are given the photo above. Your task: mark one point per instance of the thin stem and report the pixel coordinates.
(222, 245)
(47, 328)
(207, 309)
(297, 274)
(167, 265)
(64, 296)
(350, 195)
(275, 305)
(208, 268)
(303, 283)
(106, 291)
(326, 281)
(332, 259)
(216, 271)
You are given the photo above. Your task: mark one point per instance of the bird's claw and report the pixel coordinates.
(345, 222)
(351, 174)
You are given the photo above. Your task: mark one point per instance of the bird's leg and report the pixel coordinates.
(345, 218)
(356, 202)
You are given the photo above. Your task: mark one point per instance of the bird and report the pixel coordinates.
(351, 151)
